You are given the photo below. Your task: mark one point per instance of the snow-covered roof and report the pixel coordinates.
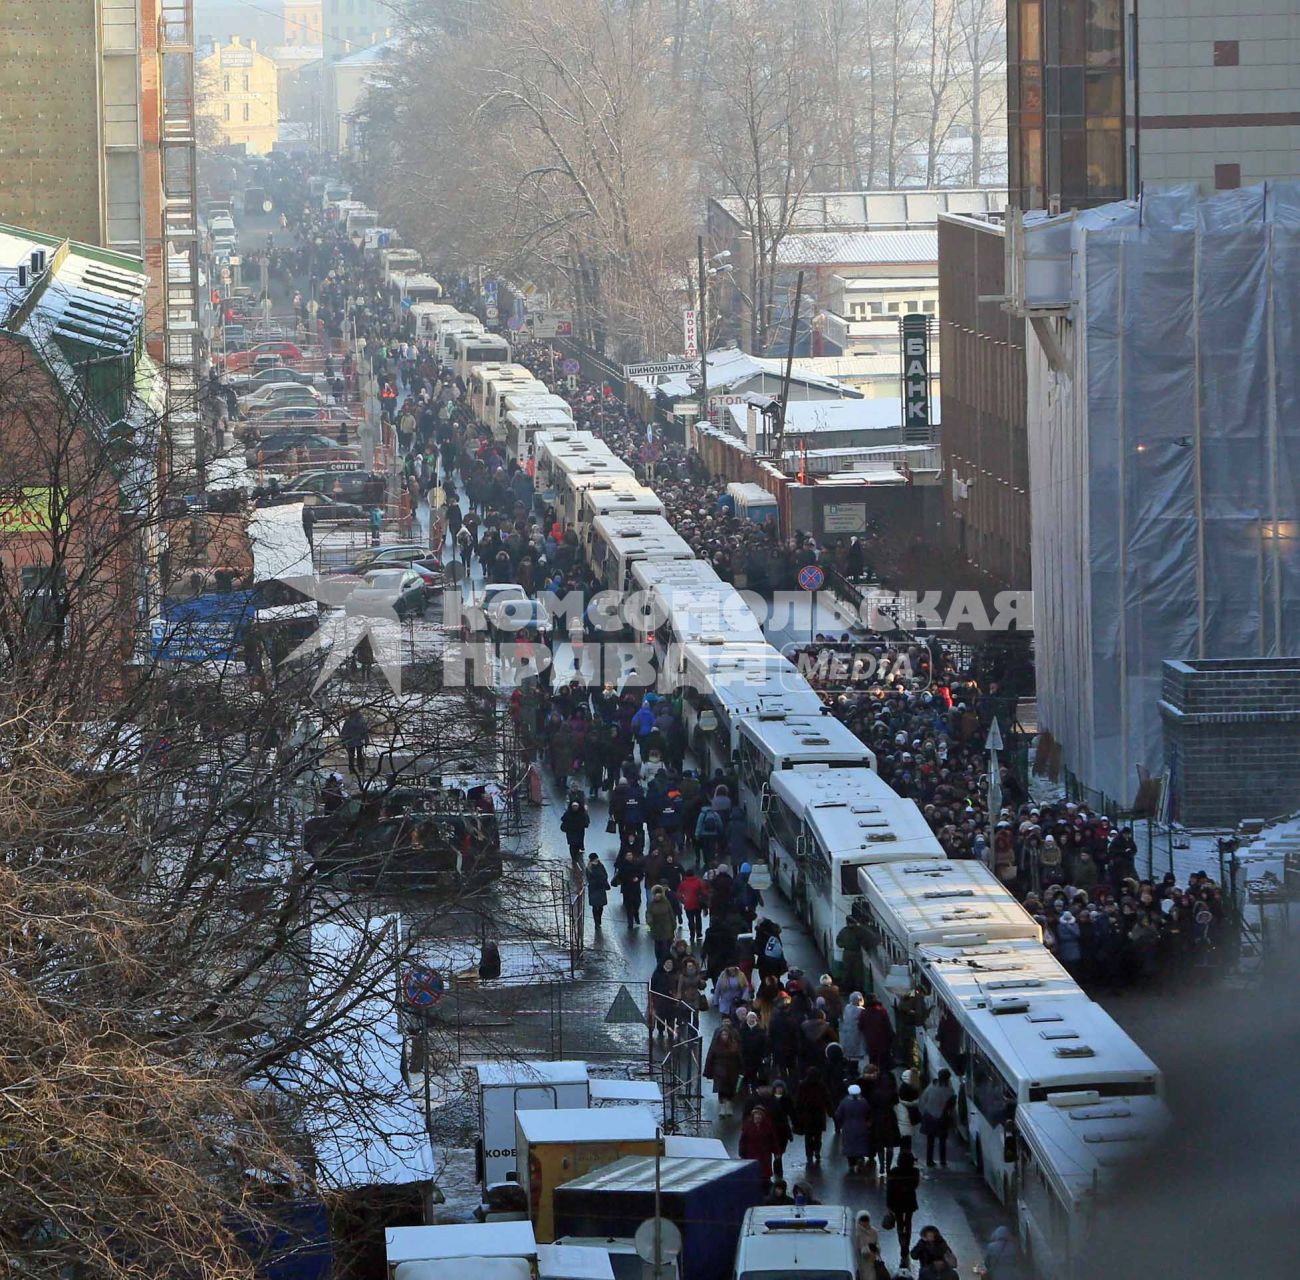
(866, 210)
(859, 246)
(809, 417)
(731, 368)
(373, 55)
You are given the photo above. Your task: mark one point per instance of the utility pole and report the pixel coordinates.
(702, 331)
(789, 369)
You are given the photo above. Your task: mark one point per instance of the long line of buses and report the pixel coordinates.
(1052, 1094)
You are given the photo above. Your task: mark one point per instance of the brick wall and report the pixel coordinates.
(1232, 738)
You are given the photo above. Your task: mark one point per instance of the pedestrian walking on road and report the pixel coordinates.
(900, 1199)
(758, 1140)
(355, 735)
(722, 1065)
(851, 1041)
(853, 1120)
(574, 824)
(597, 888)
(629, 872)
(812, 1106)
(937, 1103)
(661, 920)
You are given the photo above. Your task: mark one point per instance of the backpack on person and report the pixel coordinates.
(772, 948)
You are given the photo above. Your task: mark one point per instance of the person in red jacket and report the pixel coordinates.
(760, 1139)
(693, 894)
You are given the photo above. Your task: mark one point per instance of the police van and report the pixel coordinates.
(797, 1240)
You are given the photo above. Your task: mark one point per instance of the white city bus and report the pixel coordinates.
(524, 421)
(426, 316)
(470, 349)
(823, 826)
(770, 744)
(577, 474)
(618, 542)
(449, 330)
(502, 390)
(484, 375)
(1069, 1150)
(616, 495)
(1013, 1027)
(725, 682)
(554, 443)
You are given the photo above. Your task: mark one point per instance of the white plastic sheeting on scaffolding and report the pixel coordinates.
(1164, 456)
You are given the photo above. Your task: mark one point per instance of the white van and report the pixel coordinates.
(792, 1241)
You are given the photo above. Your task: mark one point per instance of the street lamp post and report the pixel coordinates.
(702, 329)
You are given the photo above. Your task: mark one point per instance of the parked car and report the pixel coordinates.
(384, 592)
(512, 621)
(268, 374)
(496, 596)
(388, 555)
(323, 508)
(288, 351)
(341, 481)
(410, 832)
(303, 455)
(275, 395)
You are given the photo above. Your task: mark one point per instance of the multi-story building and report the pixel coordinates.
(239, 95)
(348, 26)
(1107, 95)
(80, 433)
(864, 247)
(303, 21)
(347, 81)
(97, 139)
(985, 439)
(1164, 438)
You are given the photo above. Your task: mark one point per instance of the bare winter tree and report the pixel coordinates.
(193, 1000)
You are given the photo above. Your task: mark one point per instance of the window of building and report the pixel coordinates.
(893, 308)
(248, 112)
(225, 84)
(877, 308)
(1227, 53)
(928, 306)
(1227, 177)
(247, 86)
(225, 112)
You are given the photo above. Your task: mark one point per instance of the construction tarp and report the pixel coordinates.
(1164, 448)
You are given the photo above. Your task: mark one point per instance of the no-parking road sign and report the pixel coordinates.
(812, 577)
(422, 987)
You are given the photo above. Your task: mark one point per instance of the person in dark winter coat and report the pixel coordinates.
(900, 1198)
(782, 1108)
(574, 824)
(884, 1120)
(853, 1119)
(932, 1248)
(812, 1106)
(597, 888)
(629, 871)
(753, 1052)
(877, 1034)
(722, 1065)
(783, 1033)
(835, 1074)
